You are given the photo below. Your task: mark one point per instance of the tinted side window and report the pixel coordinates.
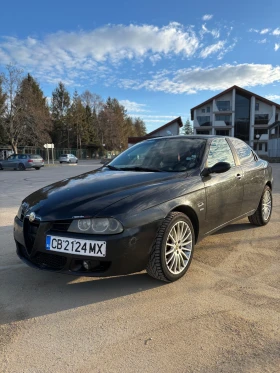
(220, 152)
(243, 151)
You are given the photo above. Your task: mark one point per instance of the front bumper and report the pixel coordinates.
(126, 253)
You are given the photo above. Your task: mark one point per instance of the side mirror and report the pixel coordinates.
(218, 168)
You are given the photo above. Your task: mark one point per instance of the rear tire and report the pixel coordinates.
(21, 167)
(1, 168)
(263, 213)
(37, 168)
(173, 247)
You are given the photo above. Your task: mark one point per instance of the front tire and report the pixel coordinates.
(37, 168)
(21, 167)
(173, 248)
(263, 213)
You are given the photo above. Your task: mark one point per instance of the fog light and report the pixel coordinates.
(86, 264)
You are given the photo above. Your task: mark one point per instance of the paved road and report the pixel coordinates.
(223, 316)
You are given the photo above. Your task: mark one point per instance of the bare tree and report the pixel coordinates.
(13, 128)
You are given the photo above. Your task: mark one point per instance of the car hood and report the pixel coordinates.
(88, 194)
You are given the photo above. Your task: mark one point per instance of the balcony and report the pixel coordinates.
(262, 119)
(205, 124)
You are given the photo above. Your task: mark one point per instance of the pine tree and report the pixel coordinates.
(34, 115)
(60, 105)
(187, 128)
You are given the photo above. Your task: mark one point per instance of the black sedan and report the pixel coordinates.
(146, 209)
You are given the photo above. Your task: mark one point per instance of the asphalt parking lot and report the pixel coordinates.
(223, 316)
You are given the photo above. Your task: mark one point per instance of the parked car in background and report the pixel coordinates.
(68, 158)
(22, 162)
(146, 209)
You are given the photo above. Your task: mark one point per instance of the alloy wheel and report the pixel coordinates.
(266, 205)
(178, 247)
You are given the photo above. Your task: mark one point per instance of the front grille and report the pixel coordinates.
(61, 226)
(30, 231)
(43, 260)
(49, 261)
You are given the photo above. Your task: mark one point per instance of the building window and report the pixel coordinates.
(223, 105)
(257, 106)
(208, 109)
(201, 132)
(266, 146)
(276, 117)
(222, 132)
(203, 110)
(203, 120)
(242, 117)
(224, 118)
(261, 119)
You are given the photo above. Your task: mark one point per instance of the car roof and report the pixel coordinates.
(206, 137)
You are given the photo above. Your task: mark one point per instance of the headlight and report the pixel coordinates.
(19, 212)
(96, 226)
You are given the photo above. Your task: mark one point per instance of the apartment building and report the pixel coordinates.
(239, 113)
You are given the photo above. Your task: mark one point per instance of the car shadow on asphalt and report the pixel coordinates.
(27, 292)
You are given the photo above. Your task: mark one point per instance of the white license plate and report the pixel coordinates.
(76, 246)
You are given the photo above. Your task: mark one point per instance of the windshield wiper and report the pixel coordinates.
(138, 168)
(112, 167)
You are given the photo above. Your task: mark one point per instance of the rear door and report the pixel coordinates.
(253, 175)
(224, 192)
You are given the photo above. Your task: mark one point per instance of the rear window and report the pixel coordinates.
(22, 156)
(64, 155)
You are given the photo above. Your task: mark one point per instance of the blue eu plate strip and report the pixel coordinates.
(48, 242)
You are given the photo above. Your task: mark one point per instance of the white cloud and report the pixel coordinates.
(84, 57)
(207, 17)
(66, 49)
(215, 78)
(133, 106)
(214, 48)
(215, 33)
(276, 32)
(273, 97)
(263, 41)
(264, 31)
(276, 47)
(155, 58)
(253, 30)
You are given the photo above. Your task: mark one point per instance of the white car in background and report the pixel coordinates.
(68, 158)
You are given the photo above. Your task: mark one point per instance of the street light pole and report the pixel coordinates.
(257, 137)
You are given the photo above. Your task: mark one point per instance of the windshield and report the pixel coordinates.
(170, 155)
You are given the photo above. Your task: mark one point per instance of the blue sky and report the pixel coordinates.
(159, 59)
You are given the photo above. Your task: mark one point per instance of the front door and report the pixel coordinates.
(224, 192)
(10, 162)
